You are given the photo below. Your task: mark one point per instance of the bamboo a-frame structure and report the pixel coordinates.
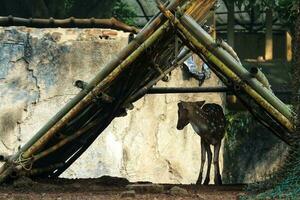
(145, 61)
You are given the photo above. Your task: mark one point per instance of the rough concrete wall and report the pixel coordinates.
(38, 67)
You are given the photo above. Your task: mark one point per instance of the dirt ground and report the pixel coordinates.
(110, 189)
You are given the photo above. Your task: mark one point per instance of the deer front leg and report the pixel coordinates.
(209, 158)
(218, 180)
(203, 157)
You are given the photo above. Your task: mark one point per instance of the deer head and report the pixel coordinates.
(183, 112)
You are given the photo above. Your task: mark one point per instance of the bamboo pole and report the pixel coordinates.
(285, 122)
(84, 102)
(183, 56)
(71, 22)
(175, 90)
(236, 67)
(63, 142)
(38, 171)
(77, 103)
(125, 64)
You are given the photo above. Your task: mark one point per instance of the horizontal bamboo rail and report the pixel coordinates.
(182, 90)
(174, 90)
(71, 22)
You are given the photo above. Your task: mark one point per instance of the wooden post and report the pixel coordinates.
(289, 47)
(230, 24)
(269, 35)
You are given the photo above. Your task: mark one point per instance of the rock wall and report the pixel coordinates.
(38, 67)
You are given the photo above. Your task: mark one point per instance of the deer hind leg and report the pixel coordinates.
(209, 158)
(203, 157)
(218, 180)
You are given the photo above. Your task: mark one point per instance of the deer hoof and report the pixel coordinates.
(218, 180)
(206, 181)
(198, 182)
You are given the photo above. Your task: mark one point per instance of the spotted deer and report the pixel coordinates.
(208, 121)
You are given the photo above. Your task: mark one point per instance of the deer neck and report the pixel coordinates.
(198, 120)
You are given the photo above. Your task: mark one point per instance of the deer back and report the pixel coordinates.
(216, 119)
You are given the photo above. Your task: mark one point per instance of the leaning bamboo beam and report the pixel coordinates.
(91, 95)
(76, 105)
(65, 141)
(199, 9)
(183, 56)
(38, 171)
(209, 43)
(201, 49)
(71, 22)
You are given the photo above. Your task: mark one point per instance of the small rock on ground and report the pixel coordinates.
(146, 188)
(23, 182)
(178, 191)
(130, 193)
(112, 181)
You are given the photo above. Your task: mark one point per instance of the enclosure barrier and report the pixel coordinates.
(129, 76)
(87, 115)
(193, 35)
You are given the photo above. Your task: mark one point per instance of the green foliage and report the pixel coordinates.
(287, 10)
(237, 123)
(68, 6)
(124, 12)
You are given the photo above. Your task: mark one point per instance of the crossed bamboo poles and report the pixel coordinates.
(221, 62)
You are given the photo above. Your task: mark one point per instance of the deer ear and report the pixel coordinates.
(181, 104)
(200, 103)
